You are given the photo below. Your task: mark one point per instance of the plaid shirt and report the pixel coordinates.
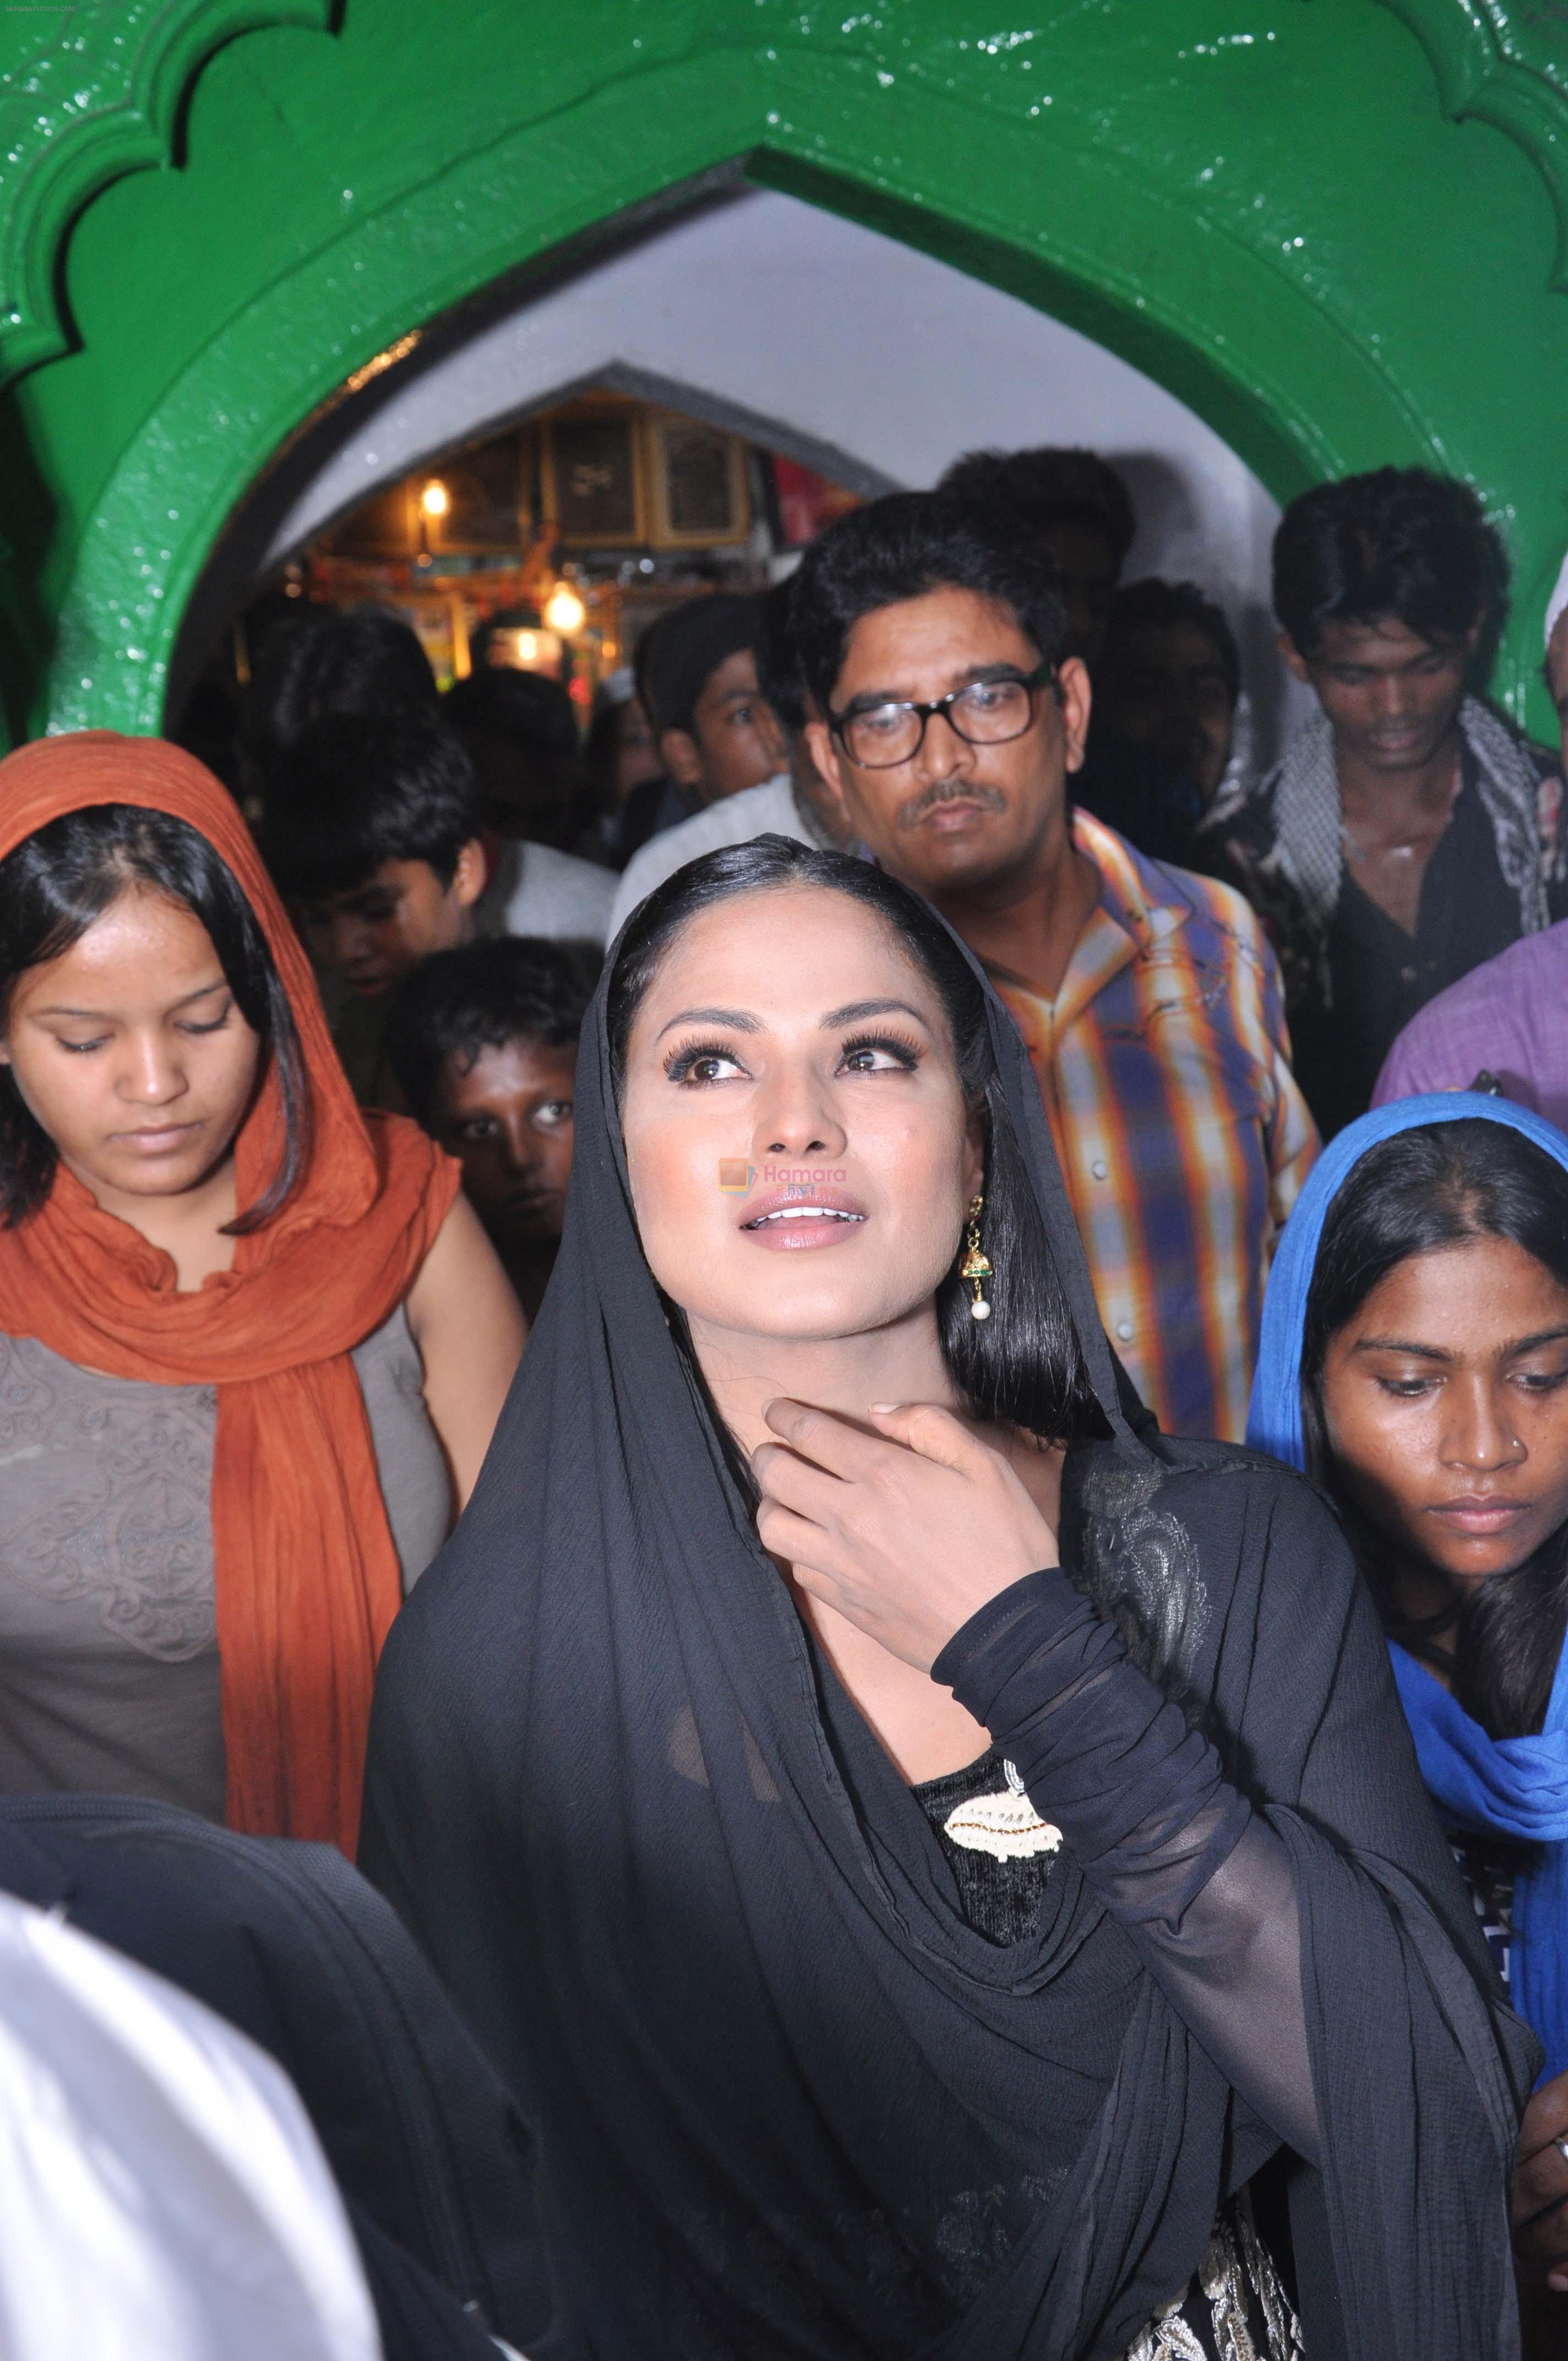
(1164, 1066)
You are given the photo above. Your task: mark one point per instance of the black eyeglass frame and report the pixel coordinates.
(1043, 674)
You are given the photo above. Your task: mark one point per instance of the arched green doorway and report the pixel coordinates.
(1278, 222)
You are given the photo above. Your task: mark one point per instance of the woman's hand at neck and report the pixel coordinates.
(882, 1613)
(911, 1528)
(901, 1361)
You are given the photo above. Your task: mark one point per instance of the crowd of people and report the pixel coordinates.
(869, 1383)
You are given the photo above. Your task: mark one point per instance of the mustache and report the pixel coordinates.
(949, 791)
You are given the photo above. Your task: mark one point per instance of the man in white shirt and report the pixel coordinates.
(791, 803)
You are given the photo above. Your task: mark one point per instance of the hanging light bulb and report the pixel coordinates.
(435, 499)
(564, 611)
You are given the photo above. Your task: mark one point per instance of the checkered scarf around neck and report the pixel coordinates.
(1309, 845)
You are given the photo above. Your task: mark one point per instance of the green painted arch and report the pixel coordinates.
(1279, 223)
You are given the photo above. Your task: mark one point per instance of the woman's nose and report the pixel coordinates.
(152, 1072)
(798, 1118)
(1480, 1432)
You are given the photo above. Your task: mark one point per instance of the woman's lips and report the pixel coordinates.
(790, 1221)
(1482, 1517)
(809, 1226)
(157, 1141)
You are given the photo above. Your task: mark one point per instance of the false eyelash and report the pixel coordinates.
(894, 1043)
(680, 1061)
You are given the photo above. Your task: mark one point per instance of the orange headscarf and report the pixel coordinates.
(307, 1574)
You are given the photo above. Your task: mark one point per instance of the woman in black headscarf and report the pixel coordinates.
(904, 1943)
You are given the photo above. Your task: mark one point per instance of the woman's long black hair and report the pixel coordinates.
(1436, 1186)
(54, 884)
(1023, 1367)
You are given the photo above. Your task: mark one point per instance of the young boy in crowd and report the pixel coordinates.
(484, 1044)
(372, 831)
(697, 675)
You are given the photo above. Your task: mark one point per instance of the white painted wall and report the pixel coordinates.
(852, 342)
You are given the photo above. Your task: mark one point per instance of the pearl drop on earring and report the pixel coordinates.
(980, 1308)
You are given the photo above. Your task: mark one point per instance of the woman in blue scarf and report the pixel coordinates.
(1414, 1360)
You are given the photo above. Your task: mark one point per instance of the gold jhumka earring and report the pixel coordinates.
(976, 1264)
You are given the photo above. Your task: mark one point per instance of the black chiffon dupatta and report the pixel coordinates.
(785, 2102)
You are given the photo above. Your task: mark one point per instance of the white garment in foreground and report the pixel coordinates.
(162, 2195)
(770, 809)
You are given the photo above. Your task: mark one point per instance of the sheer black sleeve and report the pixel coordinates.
(1201, 1883)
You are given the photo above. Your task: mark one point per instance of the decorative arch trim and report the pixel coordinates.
(1504, 64)
(1149, 189)
(303, 341)
(77, 113)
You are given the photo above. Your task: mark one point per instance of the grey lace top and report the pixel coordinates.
(108, 1637)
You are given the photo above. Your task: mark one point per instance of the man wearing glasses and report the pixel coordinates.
(1149, 1000)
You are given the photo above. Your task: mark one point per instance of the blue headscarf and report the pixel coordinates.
(1514, 1787)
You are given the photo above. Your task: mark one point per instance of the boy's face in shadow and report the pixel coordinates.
(508, 1119)
(373, 935)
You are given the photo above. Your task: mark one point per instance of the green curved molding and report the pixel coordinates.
(98, 95)
(1505, 62)
(1263, 208)
(300, 339)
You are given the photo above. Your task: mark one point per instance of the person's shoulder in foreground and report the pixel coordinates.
(537, 890)
(767, 810)
(161, 2166)
(1504, 1018)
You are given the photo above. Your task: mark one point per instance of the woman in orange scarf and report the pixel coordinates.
(252, 1342)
